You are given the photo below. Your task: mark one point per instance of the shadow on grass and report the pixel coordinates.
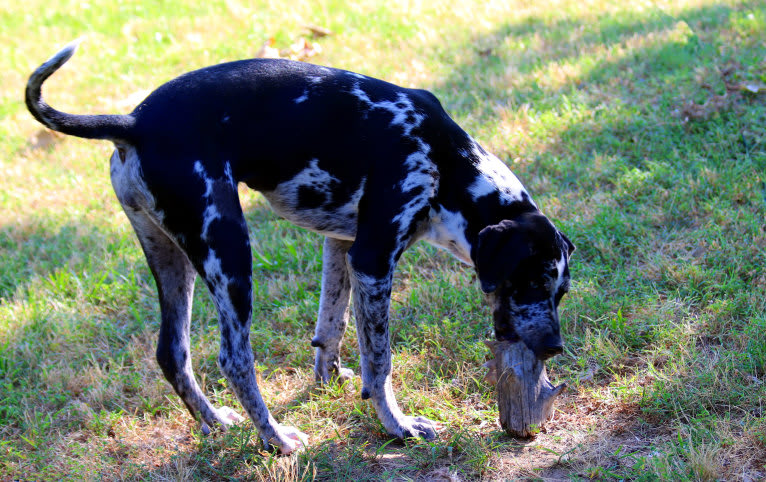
(620, 170)
(37, 249)
(368, 454)
(626, 177)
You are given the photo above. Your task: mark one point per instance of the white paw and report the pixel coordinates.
(288, 440)
(339, 377)
(228, 416)
(224, 418)
(417, 427)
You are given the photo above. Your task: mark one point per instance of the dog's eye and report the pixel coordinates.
(529, 288)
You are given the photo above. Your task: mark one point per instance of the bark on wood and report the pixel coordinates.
(525, 395)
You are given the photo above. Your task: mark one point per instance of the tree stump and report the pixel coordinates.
(525, 395)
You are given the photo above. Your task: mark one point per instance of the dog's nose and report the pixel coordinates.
(551, 351)
(551, 346)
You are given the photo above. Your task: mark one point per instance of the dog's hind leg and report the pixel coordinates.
(215, 238)
(333, 312)
(175, 276)
(190, 219)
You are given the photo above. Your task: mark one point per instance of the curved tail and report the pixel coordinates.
(118, 128)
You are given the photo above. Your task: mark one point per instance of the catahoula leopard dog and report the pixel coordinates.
(371, 166)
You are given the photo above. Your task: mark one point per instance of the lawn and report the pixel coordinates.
(638, 127)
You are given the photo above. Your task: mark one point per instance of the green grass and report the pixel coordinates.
(609, 112)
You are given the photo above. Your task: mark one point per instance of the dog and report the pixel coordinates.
(372, 166)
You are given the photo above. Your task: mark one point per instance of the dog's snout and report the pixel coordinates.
(550, 347)
(552, 351)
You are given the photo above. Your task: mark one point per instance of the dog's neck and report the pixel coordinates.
(489, 193)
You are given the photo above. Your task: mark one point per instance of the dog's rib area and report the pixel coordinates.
(309, 200)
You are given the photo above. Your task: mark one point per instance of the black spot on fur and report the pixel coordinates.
(239, 293)
(309, 198)
(416, 191)
(225, 335)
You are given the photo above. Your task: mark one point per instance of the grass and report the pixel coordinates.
(629, 123)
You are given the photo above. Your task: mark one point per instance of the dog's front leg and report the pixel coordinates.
(371, 302)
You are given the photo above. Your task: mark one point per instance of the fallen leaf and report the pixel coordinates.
(753, 88)
(132, 100)
(43, 139)
(267, 50)
(694, 111)
(301, 49)
(318, 31)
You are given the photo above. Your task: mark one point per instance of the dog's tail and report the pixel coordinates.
(118, 128)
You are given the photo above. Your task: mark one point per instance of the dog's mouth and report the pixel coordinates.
(539, 333)
(544, 347)
(550, 346)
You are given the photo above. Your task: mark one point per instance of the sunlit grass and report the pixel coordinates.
(666, 352)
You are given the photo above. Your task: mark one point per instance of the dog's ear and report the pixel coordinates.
(501, 247)
(570, 245)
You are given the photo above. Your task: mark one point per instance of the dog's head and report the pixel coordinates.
(523, 267)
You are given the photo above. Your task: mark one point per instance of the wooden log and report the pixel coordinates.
(525, 395)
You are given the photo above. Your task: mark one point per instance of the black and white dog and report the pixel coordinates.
(372, 166)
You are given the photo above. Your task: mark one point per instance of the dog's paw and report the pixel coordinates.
(288, 440)
(228, 416)
(417, 427)
(339, 376)
(345, 374)
(223, 418)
